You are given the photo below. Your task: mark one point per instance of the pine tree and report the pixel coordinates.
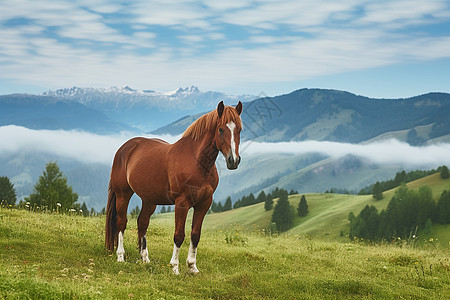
(227, 205)
(219, 207)
(268, 204)
(214, 206)
(377, 191)
(261, 197)
(163, 210)
(282, 213)
(84, 209)
(444, 172)
(302, 209)
(52, 188)
(443, 208)
(7, 191)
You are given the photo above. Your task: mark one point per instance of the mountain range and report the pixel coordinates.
(303, 115)
(330, 115)
(146, 110)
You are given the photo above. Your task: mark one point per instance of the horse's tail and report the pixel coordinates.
(111, 220)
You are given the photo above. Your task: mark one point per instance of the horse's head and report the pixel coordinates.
(228, 132)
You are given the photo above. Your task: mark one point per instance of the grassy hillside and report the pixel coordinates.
(328, 213)
(45, 256)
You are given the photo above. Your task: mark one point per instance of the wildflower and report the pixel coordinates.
(58, 204)
(431, 239)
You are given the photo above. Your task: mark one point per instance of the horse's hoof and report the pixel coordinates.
(175, 270)
(193, 269)
(144, 255)
(120, 258)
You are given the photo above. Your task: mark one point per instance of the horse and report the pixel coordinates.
(182, 173)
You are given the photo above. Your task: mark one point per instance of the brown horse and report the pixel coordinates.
(183, 173)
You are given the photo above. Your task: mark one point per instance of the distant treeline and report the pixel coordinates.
(249, 200)
(400, 177)
(408, 212)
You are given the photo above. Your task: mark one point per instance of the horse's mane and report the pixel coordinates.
(209, 122)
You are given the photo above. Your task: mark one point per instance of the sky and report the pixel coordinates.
(380, 49)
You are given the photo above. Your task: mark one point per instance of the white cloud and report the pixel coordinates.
(385, 152)
(73, 43)
(92, 148)
(81, 146)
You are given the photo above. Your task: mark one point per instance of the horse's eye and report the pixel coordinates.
(220, 130)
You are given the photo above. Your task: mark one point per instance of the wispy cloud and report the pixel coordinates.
(384, 152)
(92, 148)
(215, 44)
(82, 146)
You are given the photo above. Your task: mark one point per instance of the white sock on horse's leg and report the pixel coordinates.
(120, 250)
(144, 251)
(174, 262)
(191, 260)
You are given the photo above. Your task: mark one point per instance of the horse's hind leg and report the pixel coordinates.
(123, 198)
(143, 220)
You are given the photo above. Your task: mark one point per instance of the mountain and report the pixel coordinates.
(147, 109)
(43, 112)
(330, 115)
(307, 114)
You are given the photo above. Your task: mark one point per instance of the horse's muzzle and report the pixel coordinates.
(231, 163)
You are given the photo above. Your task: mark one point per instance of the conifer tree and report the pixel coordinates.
(219, 207)
(377, 191)
(268, 204)
(444, 172)
(302, 209)
(7, 191)
(52, 188)
(443, 208)
(84, 209)
(282, 212)
(227, 205)
(261, 197)
(214, 206)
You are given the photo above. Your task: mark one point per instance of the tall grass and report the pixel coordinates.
(49, 256)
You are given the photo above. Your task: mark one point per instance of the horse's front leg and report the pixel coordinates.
(197, 221)
(181, 211)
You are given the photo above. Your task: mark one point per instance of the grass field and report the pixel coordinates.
(47, 256)
(328, 213)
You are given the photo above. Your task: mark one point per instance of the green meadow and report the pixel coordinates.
(50, 256)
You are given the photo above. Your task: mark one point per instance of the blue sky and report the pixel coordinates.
(389, 49)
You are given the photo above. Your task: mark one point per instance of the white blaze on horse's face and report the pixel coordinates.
(233, 159)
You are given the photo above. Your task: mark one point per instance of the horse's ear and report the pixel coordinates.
(239, 108)
(220, 109)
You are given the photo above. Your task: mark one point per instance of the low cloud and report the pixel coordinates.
(385, 152)
(93, 148)
(81, 146)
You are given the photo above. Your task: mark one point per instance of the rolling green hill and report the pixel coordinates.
(328, 213)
